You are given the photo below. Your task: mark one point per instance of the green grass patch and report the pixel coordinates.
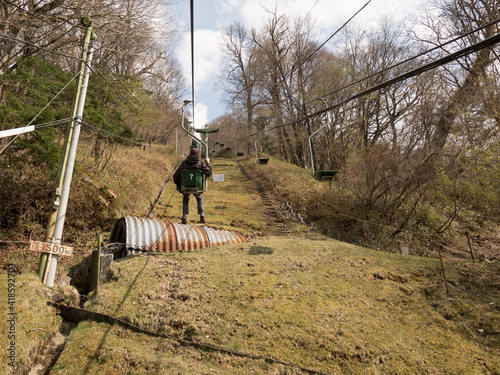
(304, 299)
(320, 304)
(233, 204)
(35, 321)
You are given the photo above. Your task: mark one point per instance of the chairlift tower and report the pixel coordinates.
(206, 132)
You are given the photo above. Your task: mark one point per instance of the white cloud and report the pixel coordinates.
(327, 15)
(228, 6)
(200, 115)
(207, 55)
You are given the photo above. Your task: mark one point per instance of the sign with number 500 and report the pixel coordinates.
(51, 248)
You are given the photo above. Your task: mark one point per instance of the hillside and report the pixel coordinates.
(390, 266)
(289, 301)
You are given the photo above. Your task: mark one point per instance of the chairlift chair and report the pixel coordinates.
(192, 181)
(260, 160)
(320, 174)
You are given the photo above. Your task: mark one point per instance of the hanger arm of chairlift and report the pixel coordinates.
(320, 174)
(195, 138)
(261, 160)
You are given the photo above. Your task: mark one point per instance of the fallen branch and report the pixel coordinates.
(78, 315)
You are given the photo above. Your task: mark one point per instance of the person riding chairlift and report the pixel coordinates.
(193, 162)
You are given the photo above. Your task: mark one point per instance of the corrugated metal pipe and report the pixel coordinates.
(139, 234)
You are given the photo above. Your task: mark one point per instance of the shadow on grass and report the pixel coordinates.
(103, 341)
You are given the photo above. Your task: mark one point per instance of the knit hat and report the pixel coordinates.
(194, 152)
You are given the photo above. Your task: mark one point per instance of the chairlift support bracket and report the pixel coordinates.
(196, 139)
(320, 174)
(259, 160)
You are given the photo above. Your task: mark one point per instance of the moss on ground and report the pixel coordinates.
(35, 321)
(233, 204)
(303, 299)
(320, 304)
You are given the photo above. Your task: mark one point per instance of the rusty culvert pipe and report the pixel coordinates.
(139, 234)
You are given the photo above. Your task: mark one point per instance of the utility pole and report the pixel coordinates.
(53, 234)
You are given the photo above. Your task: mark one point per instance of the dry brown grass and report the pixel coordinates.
(303, 298)
(36, 322)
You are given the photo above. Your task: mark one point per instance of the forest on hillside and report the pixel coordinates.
(419, 157)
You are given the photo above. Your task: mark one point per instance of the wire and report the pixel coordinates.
(310, 10)
(118, 79)
(43, 109)
(79, 59)
(21, 26)
(108, 133)
(123, 96)
(321, 46)
(54, 123)
(112, 134)
(41, 19)
(118, 91)
(336, 32)
(326, 41)
(8, 22)
(407, 60)
(374, 74)
(444, 60)
(434, 64)
(191, 14)
(40, 48)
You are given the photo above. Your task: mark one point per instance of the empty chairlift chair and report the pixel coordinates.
(320, 174)
(260, 160)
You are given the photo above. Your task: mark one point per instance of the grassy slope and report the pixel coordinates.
(232, 204)
(318, 303)
(35, 324)
(313, 302)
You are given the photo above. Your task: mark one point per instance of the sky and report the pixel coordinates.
(212, 16)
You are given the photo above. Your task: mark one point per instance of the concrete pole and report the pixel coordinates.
(61, 213)
(56, 199)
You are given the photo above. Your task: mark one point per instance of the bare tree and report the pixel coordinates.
(240, 73)
(464, 79)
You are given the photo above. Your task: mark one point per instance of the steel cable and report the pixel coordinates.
(43, 109)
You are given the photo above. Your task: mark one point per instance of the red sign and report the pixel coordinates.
(51, 248)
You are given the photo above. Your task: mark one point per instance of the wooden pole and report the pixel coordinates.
(71, 157)
(95, 267)
(442, 266)
(47, 267)
(470, 246)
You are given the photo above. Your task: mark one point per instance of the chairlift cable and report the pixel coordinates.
(40, 18)
(414, 72)
(191, 14)
(407, 60)
(336, 32)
